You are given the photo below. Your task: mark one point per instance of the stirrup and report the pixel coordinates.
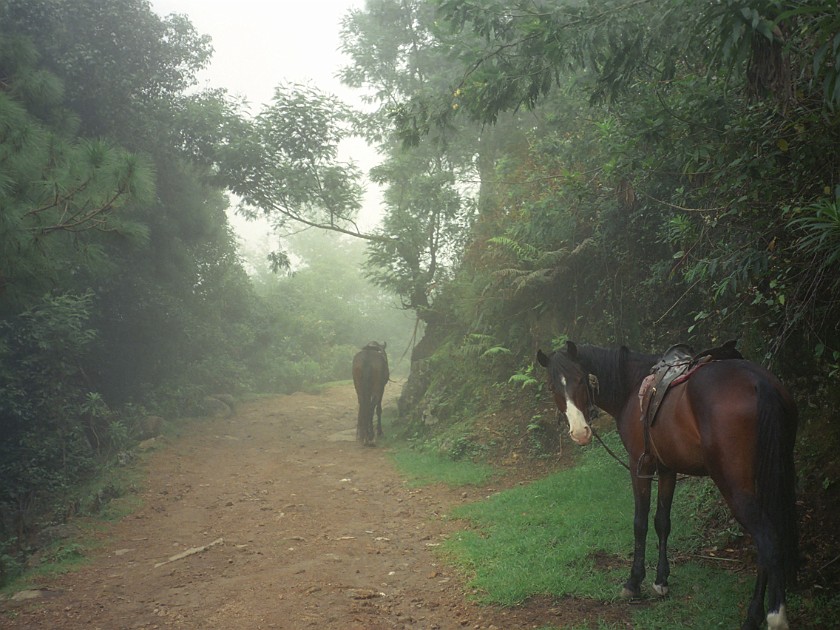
(643, 459)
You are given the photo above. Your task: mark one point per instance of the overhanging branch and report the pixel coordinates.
(332, 227)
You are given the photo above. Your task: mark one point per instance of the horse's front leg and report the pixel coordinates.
(379, 418)
(641, 492)
(662, 524)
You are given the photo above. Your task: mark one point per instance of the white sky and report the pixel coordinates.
(259, 44)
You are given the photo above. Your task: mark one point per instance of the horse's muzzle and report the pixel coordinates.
(582, 438)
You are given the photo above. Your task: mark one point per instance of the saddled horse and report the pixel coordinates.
(370, 375)
(731, 420)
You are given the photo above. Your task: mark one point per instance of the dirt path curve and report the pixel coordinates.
(304, 528)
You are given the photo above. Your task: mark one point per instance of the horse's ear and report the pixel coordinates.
(542, 359)
(384, 344)
(571, 349)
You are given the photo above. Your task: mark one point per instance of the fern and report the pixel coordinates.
(522, 251)
(523, 379)
(495, 351)
(820, 231)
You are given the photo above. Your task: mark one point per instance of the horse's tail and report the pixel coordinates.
(775, 473)
(365, 419)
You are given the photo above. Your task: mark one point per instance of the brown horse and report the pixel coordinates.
(731, 420)
(370, 375)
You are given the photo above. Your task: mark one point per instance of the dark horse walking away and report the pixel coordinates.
(370, 375)
(729, 419)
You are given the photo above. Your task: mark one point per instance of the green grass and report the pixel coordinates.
(570, 534)
(423, 468)
(111, 495)
(59, 557)
(427, 463)
(541, 538)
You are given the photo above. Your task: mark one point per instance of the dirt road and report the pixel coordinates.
(301, 528)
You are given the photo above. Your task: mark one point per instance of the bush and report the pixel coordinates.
(51, 427)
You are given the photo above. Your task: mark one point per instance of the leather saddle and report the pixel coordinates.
(675, 366)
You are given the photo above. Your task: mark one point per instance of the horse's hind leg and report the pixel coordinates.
(370, 435)
(770, 573)
(770, 577)
(755, 611)
(662, 523)
(360, 425)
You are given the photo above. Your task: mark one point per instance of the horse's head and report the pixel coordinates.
(569, 384)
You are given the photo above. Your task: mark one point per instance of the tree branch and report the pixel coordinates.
(332, 227)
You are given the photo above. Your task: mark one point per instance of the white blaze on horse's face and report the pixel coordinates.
(579, 430)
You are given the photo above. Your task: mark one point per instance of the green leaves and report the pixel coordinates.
(818, 227)
(55, 189)
(287, 165)
(42, 446)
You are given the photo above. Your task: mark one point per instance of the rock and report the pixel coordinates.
(150, 426)
(364, 593)
(22, 596)
(147, 445)
(429, 419)
(229, 400)
(212, 406)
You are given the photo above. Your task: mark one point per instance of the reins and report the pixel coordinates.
(591, 385)
(608, 449)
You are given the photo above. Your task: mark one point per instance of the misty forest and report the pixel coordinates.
(607, 171)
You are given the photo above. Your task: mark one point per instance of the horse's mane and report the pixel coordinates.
(375, 346)
(619, 370)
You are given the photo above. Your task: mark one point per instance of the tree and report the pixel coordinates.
(58, 192)
(121, 63)
(48, 440)
(529, 47)
(286, 166)
(693, 94)
(429, 204)
(428, 221)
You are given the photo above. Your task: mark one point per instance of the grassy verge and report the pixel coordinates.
(109, 496)
(426, 468)
(570, 535)
(426, 464)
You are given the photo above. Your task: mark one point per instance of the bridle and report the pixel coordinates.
(592, 413)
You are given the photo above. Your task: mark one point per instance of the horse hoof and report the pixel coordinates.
(778, 620)
(626, 593)
(661, 589)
